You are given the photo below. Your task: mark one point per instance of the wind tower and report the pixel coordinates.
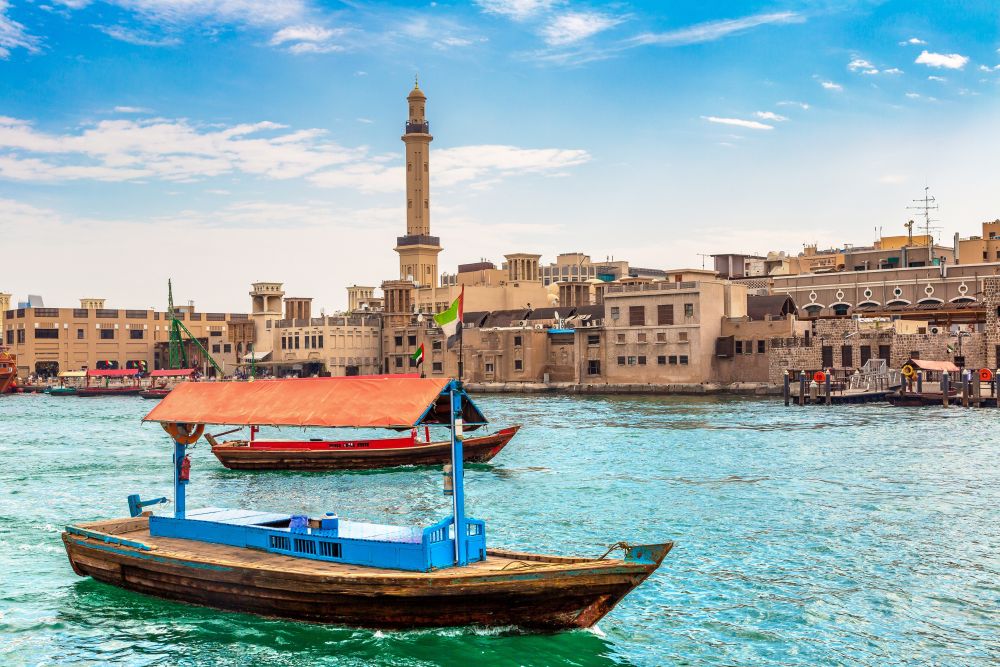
(418, 250)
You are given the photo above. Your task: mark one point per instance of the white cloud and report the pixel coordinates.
(987, 68)
(939, 79)
(793, 103)
(860, 64)
(739, 122)
(713, 30)
(136, 37)
(453, 41)
(366, 121)
(892, 70)
(572, 27)
(307, 39)
(248, 12)
(770, 115)
(912, 40)
(13, 34)
(913, 96)
(830, 85)
(123, 109)
(945, 60)
(518, 10)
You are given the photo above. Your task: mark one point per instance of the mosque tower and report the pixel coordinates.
(418, 250)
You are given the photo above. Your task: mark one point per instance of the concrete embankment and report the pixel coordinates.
(739, 388)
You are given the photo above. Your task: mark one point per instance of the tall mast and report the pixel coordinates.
(926, 205)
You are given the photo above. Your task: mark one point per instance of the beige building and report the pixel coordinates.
(4, 307)
(979, 249)
(51, 340)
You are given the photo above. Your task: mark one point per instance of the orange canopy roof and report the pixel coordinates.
(380, 402)
(173, 372)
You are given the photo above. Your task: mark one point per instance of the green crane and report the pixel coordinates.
(178, 355)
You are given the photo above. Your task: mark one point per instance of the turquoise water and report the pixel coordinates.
(859, 535)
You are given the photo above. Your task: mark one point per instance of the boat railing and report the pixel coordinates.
(875, 375)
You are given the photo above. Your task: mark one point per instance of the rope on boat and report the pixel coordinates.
(624, 546)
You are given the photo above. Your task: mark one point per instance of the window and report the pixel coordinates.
(672, 359)
(517, 341)
(20, 336)
(321, 340)
(615, 313)
(866, 354)
(398, 340)
(683, 360)
(661, 337)
(413, 362)
(883, 352)
(739, 347)
(826, 356)
(10, 336)
(411, 341)
(637, 316)
(688, 310)
(489, 368)
(215, 334)
(665, 314)
(914, 354)
(631, 361)
(518, 365)
(841, 309)
(313, 341)
(80, 335)
(136, 334)
(296, 342)
(399, 362)
(621, 361)
(846, 356)
(216, 349)
(642, 338)
(46, 333)
(661, 360)
(593, 367)
(107, 334)
(642, 360)
(761, 346)
(227, 348)
(593, 339)
(436, 367)
(284, 343)
(436, 345)
(682, 336)
(620, 338)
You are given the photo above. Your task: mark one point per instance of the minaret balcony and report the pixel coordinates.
(418, 239)
(418, 128)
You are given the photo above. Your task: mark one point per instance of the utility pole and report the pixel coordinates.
(703, 256)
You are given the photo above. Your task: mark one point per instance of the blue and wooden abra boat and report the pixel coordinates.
(333, 570)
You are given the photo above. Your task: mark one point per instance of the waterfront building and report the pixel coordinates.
(4, 307)
(983, 248)
(50, 340)
(577, 266)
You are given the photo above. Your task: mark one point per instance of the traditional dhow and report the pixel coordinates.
(333, 570)
(8, 371)
(357, 454)
(161, 382)
(127, 385)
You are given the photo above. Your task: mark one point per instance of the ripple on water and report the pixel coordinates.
(860, 535)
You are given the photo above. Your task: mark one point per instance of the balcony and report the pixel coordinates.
(418, 128)
(417, 239)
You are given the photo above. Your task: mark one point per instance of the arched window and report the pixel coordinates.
(840, 309)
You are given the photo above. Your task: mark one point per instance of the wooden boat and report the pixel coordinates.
(122, 374)
(362, 454)
(163, 380)
(912, 399)
(339, 571)
(8, 371)
(69, 383)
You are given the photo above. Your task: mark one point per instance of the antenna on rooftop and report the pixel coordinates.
(926, 205)
(703, 256)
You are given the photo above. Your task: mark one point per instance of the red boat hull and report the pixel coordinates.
(354, 454)
(89, 392)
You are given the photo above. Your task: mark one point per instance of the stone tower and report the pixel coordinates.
(265, 311)
(418, 250)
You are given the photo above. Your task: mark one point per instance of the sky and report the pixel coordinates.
(219, 142)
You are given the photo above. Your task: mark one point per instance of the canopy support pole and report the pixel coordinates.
(179, 484)
(458, 477)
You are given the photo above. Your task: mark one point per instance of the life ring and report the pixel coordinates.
(184, 434)
(908, 371)
(819, 377)
(985, 375)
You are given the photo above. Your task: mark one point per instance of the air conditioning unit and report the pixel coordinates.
(539, 327)
(935, 330)
(522, 323)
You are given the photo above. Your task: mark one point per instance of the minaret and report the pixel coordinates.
(418, 250)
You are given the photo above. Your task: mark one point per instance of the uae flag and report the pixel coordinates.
(451, 320)
(418, 357)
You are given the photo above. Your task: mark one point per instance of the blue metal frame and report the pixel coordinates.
(454, 541)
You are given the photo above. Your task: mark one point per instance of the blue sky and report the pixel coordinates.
(226, 141)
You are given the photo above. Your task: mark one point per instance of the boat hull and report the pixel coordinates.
(91, 392)
(507, 589)
(245, 457)
(154, 394)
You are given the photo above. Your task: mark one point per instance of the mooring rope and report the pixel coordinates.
(624, 546)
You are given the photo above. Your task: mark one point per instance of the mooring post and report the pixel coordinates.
(802, 388)
(829, 398)
(788, 389)
(977, 391)
(945, 381)
(966, 386)
(920, 382)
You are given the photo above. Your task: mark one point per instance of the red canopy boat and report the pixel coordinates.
(108, 389)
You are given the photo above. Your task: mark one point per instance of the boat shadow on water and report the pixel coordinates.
(119, 616)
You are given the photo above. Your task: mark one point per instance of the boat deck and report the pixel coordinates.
(134, 534)
(352, 530)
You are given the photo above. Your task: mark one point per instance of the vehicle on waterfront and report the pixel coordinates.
(8, 371)
(356, 454)
(338, 571)
(161, 382)
(128, 383)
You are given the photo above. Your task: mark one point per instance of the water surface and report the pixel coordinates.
(855, 535)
